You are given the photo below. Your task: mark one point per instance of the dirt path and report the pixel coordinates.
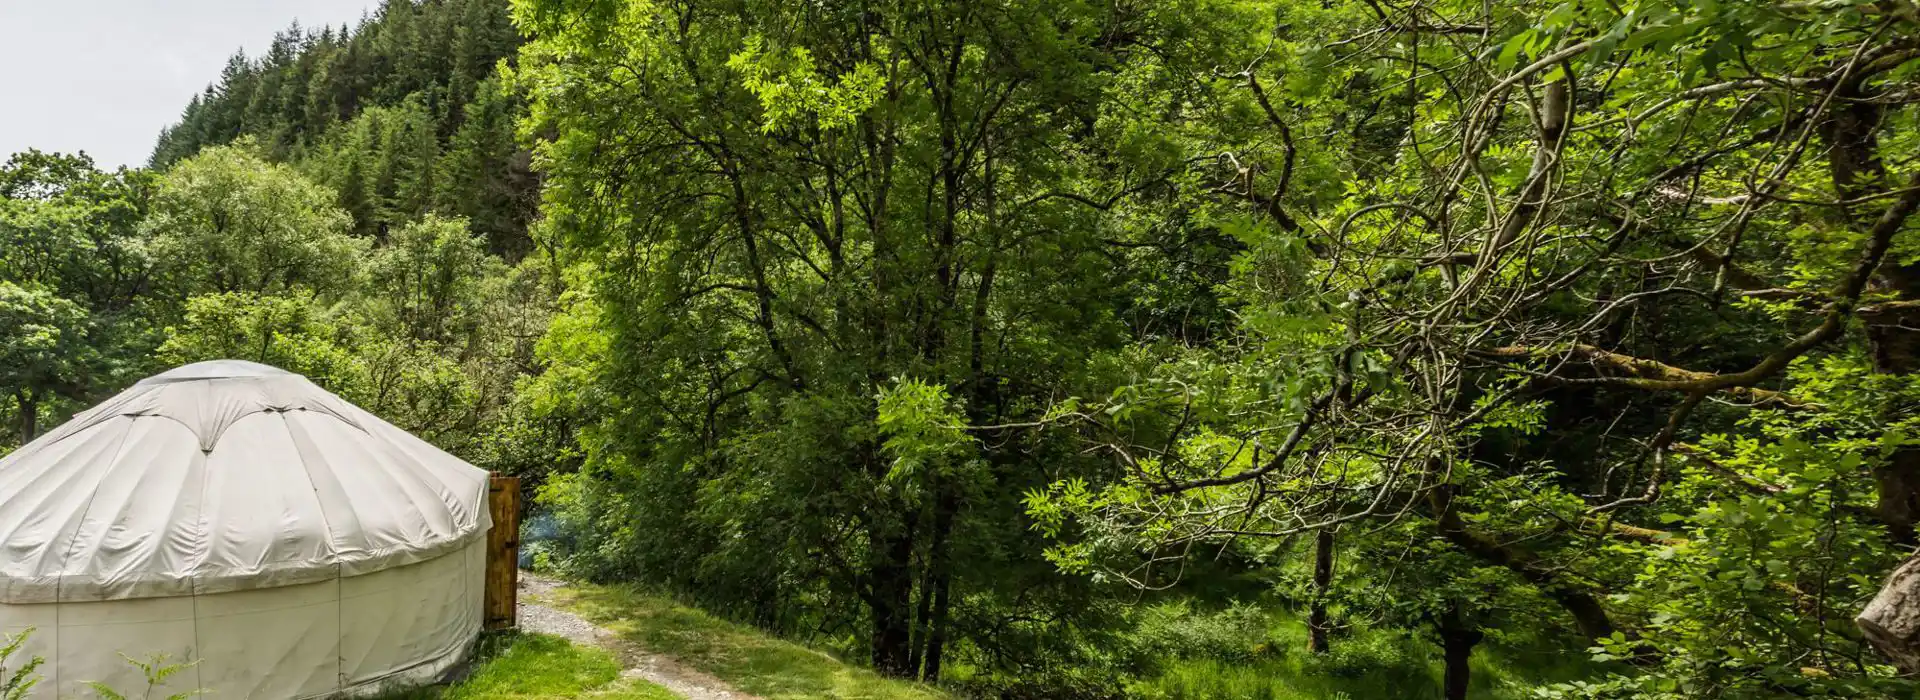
(536, 616)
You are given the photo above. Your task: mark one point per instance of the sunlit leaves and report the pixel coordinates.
(229, 221)
(791, 88)
(923, 429)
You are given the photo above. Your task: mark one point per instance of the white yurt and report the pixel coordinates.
(236, 516)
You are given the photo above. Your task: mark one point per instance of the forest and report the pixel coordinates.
(1092, 349)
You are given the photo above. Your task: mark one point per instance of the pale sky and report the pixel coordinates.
(105, 76)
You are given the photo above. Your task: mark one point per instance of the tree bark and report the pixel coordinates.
(1891, 622)
(1854, 164)
(922, 616)
(1895, 349)
(890, 569)
(937, 645)
(1457, 640)
(936, 584)
(1317, 626)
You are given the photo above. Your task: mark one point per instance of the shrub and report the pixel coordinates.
(1377, 654)
(1175, 631)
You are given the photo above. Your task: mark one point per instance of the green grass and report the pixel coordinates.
(529, 666)
(747, 658)
(1366, 664)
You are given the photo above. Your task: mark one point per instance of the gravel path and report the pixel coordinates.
(536, 616)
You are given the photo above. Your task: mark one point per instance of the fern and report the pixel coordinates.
(15, 684)
(155, 669)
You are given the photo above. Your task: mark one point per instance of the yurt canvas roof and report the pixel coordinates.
(224, 476)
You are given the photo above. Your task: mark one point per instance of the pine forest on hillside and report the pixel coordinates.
(1092, 349)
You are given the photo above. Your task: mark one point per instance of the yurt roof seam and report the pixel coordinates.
(298, 436)
(207, 443)
(119, 449)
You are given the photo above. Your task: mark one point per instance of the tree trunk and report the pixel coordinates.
(1457, 640)
(922, 616)
(1317, 626)
(890, 567)
(1896, 351)
(936, 647)
(1891, 622)
(923, 610)
(29, 416)
(940, 569)
(1854, 164)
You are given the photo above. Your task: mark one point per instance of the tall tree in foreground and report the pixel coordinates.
(824, 238)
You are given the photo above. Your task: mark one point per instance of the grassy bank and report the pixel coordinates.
(530, 666)
(1195, 655)
(747, 658)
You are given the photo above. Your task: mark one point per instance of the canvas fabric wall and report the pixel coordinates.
(344, 637)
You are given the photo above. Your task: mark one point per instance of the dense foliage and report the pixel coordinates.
(112, 276)
(824, 243)
(1164, 349)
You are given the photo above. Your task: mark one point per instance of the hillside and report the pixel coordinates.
(401, 115)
